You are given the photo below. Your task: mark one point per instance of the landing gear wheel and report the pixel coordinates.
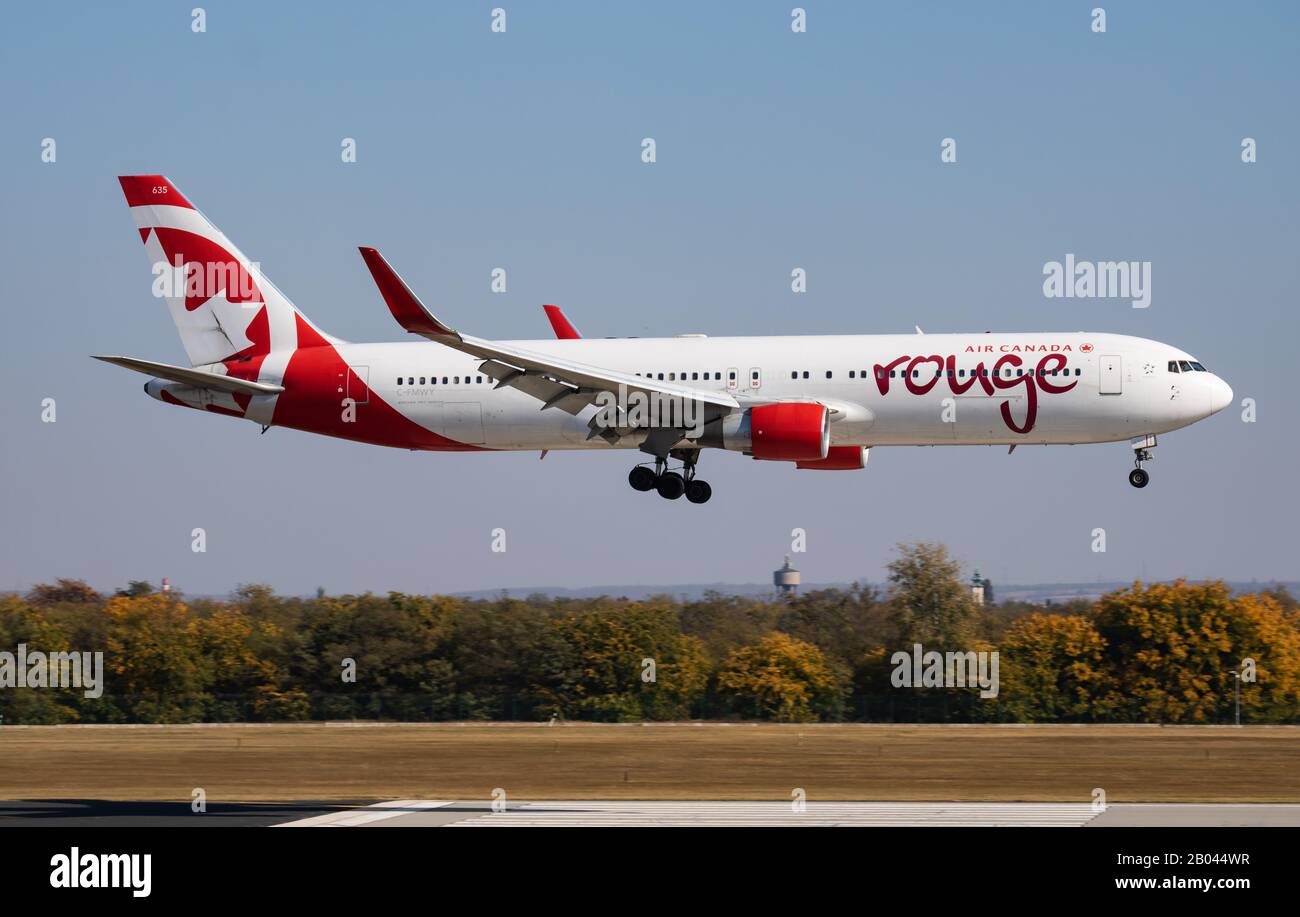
(641, 478)
(698, 491)
(670, 485)
(1138, 478)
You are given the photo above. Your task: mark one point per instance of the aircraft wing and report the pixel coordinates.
(556, 382)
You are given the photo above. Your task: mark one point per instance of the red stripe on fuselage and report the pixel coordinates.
(312, 401)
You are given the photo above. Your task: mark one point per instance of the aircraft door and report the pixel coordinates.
(358, 384)
(1111, 368)
(463, 421)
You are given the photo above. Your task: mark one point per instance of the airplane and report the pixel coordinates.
(819, 403)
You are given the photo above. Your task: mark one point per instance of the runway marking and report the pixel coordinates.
(595, 813)
(367, 814)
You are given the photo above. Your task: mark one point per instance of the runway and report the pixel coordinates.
(437, 813)
(633, 814)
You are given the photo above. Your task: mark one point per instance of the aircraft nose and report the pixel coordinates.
(1220, 395)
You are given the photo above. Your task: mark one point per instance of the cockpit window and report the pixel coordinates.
(1185, 366)
(1198, 367)
(1173, 366)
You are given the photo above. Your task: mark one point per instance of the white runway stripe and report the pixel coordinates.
(822, 814)
(364, 816)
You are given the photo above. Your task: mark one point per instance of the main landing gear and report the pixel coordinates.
(1142, 447)
(672, 485)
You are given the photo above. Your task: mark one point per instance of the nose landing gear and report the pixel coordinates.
(1142, 447)
(672, 485)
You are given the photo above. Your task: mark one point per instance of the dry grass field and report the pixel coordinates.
(659, 761)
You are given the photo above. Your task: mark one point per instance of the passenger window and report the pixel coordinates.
(828, 374)
(410, 380)
(794, 374)
(695, 376)
(422, 380)
(851, 374)
(672, 377)
(717, 375)
(880, 374)
(805, 374)
(399, 380)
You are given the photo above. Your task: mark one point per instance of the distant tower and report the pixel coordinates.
(786, 580)
(977, 588)
(166, 585)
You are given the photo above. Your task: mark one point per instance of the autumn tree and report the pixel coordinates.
(63, 591)
(784, 679)
(1172, 650)
(1053, 669)
(154, 666)
(243, 680)
(35, 628)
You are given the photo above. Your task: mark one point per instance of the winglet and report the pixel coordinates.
(564, 330)
(405, 305)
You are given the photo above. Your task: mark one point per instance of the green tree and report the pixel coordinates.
(631, 663)
(928, 604)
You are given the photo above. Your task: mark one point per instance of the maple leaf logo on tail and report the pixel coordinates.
(223, 306)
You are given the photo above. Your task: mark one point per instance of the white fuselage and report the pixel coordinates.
(1048, 388)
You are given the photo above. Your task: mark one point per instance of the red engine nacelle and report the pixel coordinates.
(839, 458)
(792, 431)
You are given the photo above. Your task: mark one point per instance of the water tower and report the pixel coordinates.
(786, 580)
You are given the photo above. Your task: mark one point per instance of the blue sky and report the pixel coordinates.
(522, 150)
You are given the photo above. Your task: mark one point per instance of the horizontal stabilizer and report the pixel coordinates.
(195, 377)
